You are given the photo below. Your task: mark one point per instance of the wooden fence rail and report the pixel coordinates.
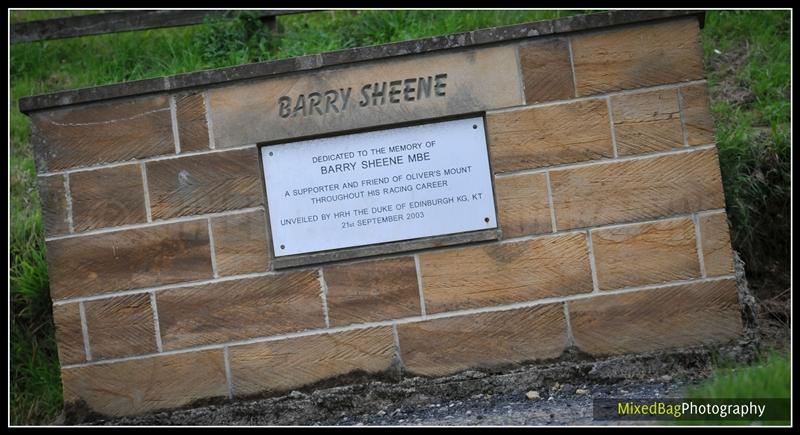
(112, 22)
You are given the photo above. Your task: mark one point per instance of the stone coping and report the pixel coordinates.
(350, 55)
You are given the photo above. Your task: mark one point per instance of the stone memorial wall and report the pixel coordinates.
(186, 265)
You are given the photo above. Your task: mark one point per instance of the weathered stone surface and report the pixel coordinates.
(119, 327)
(637, 56)
(190, 111)
(241, 243)
(107, 197)
(716, 243)
(285, 364)
(445, 346)
(504, 273)
(142, 385)
(142, 257)
(102, 133)
(206, 183)
(637, 190)
(52, 195)
(546, 70)
(239, 309)
(372, 291)
(550, 135)
(88, 95)
(657, 319)
(697, 115)
(246, 113)
(647, 122)
(69, 334)
(651, 253)
(522, 205)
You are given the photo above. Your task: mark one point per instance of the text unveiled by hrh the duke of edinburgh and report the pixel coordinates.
(331, 101)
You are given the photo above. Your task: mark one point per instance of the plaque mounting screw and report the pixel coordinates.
(283, 247)
(270, 153)
(475, 126)
(486, 220)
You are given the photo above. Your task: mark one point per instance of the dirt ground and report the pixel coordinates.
(565, 390)
(498, 397)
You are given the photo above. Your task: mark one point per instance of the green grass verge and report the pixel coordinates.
(749, 81)
(747, 62)
(35, 380)
(768, 378)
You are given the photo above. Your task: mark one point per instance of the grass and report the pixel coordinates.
(768, 378)
(749, 81)
(747, 59)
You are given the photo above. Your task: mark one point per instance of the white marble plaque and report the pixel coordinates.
(379, 187)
